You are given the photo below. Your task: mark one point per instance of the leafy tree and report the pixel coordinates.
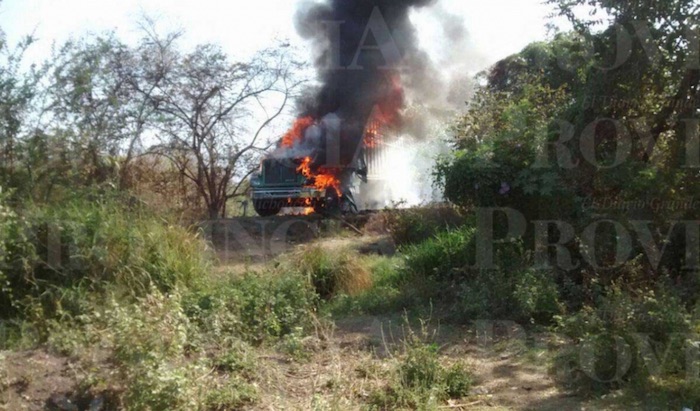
(19, 91)
(627, 84)
(205, 106)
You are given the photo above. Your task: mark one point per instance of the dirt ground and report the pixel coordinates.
(348, 361)
(359, 352)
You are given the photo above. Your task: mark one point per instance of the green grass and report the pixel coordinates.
(419, 380)
(57, 258)
(385, 296)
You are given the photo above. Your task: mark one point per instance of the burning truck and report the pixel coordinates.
(303, 172)
(362, 49)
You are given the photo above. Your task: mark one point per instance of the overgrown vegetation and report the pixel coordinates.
(95, 264)
(332, 272)
(418, 380)
(58, 257)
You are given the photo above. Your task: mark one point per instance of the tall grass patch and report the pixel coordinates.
(55, 256)
(414, 225)
(419, 380)
(442, 269)
(332, 271)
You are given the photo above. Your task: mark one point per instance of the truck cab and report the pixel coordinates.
(279, 184)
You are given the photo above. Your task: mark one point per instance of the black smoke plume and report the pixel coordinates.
(360, 48)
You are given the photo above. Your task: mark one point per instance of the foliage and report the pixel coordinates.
(332, 272)
(385, 295)
(79, 119)
(156, 366)
(189, 348)
(416, 224)
(499, 141)
(19, 92)
(54, 255)
(512, 290)
(419, 380)
(636, 338)
(253, 309)
(445, 256)
(525, 143)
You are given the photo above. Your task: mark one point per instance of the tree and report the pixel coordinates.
(207, 108)
(100, 98)
(19, 89)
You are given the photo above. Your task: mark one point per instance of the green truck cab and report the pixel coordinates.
(279, 184)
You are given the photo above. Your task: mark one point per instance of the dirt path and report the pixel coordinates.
(346, 363)
(356, 357)
(28, 379)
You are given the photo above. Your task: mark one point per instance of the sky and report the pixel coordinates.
(497, 28)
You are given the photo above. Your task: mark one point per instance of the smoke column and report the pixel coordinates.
(369, 64)
(360, 48)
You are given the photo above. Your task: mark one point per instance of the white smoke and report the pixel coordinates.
(437, 79)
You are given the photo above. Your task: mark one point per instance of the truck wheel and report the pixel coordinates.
(327, 204)
(267, 208)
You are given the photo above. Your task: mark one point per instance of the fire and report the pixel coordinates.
(296, 133)
(308, 211)
(372, 135)
(321, 181)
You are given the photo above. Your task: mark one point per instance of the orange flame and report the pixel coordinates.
(296, 133)
(321, 181)
(372, 135)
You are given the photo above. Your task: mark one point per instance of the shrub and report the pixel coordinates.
(386, 294)
(513, 290)
(54, 252)
(414, 225)
(635, 338)
(157, 366)
(509, 292)
(233, 395)
(458, 381)
(147, 341)
(419, 380)
(255, 308)
(444, 257)
(332, 272)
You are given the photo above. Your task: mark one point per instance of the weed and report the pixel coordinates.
(255, 308)
(419, 380)
(56, 256)
(624, 331)
(332, 272)
(386, 294)
(233, 394)
(415, 225)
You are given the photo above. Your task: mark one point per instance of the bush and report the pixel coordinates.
(513, 290)
(444, 257)
(153, 362)
(635, 338)
(189, 349)
(332, 272)
(253, 308)
(388, 279)
(420, 381)
(54, 253)
(414, 225)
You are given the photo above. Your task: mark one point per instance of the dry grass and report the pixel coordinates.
(332, 270)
